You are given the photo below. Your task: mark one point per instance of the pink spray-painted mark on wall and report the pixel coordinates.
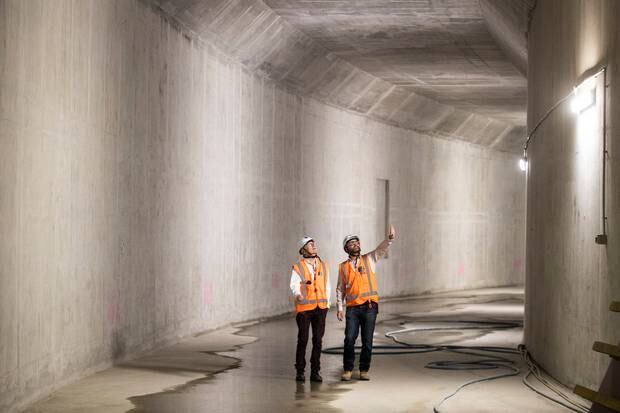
(461, 269)
(207, 293)
(517, 264)
(114, 313)
(274, 280)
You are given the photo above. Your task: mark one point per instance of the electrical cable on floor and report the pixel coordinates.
(534, 370)
(486, 363)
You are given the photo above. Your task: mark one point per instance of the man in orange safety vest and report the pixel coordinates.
(311, 288)
(357, 287)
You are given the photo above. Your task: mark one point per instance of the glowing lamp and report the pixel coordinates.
(584, 97)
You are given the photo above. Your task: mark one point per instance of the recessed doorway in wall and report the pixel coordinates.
(382, 208)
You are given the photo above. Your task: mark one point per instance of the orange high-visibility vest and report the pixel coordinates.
(313, 292)
(359, 283)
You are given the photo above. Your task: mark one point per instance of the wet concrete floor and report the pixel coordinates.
(250, 368)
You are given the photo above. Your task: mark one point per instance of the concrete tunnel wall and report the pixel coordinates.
(152, 188)
(570, 279)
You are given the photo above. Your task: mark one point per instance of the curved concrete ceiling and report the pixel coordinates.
(508, 21)
(450, 68)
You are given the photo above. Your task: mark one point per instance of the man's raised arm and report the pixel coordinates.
(382, 248)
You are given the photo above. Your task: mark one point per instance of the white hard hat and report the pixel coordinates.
(302, 242)
(347, 239)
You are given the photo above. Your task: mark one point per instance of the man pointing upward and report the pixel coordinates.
(357, 287)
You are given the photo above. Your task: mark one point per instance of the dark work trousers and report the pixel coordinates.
(305, 319)
(359, 317)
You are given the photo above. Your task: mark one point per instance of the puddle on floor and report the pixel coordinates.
(262, 382)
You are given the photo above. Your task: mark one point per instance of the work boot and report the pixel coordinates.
(364, 375)
(300, 376)
(315, 376)
(346, 375)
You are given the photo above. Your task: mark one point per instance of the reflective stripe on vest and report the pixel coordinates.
(347, 282)
(319, 298)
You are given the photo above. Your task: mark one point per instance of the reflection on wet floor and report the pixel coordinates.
(264, 381)
(252, 370)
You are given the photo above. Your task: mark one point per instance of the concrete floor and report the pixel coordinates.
(250, 368)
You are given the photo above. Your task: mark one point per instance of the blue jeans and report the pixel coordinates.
(359, 317)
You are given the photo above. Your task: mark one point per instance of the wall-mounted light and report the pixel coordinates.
(584, 96)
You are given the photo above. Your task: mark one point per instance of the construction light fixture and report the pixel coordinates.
(584, 96)
(523, 162)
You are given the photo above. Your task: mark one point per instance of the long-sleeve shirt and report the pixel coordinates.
(373, 256)
(296, 280)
